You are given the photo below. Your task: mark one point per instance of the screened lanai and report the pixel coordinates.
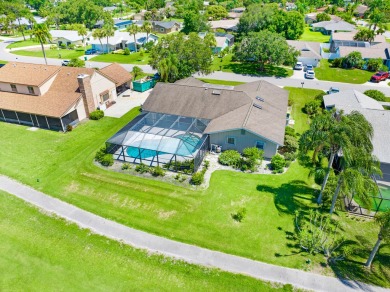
(157, 139)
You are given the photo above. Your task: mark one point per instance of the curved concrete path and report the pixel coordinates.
(186, 252)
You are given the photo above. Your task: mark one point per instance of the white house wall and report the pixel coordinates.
(100, 84)
(242, 141)
(20, 88)
(46, 86)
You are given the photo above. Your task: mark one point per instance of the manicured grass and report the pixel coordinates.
(227, 65)
(388, 40)
(298, 97)
(65, 53)
(356, 76)
(20, 44)
(46, 253)
(314, 36)
(221, 82)
(133, 58)
(3, 62)
(63, 165)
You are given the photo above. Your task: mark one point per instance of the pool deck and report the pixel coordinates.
(125, 102)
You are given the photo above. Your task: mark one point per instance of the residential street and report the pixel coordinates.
(183, 251)
(295, 81)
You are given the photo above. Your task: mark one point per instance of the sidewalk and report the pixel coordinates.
(186, 252)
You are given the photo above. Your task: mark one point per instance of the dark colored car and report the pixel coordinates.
(65, 63)
(90, 52)
(333, 90)
(380, 76)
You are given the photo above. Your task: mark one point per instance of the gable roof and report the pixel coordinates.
(307, 49)
(63, 93)
(335, 25)
(71, 35)
(361, 9)
(166, 24)
(116, 73)
(351, 99)
(27, 74)
(227, 109)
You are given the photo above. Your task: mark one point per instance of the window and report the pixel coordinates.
(231, 140)
(260, 145)
(30, 90)
(105, 96)
(13, 88)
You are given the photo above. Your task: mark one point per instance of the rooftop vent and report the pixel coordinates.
(257, 106)
(260, 98)
(217, 92)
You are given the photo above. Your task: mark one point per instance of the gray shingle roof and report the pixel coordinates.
(226, 108)
(335, 25)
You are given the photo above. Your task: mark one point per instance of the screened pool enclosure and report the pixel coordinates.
(155, 139)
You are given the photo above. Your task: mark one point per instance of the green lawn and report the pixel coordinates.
(221, 82)
(356, 76)
(46, 253)
(63, 165)
(299, 97)
(388, 40)
(133, 58)
(314, 36)
(3, 62)
(20, 44)
(65, 53)
(227, 65)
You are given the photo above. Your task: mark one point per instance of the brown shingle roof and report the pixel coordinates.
(230, 109)
(27, 74)
(116, 73)
(63, 93)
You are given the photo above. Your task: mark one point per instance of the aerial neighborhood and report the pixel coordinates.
(188, 145)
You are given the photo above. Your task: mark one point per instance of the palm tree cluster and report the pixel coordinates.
(348, 137)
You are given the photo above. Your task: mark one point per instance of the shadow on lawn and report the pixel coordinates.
(253, 70)
(289, 196)
(379, 274)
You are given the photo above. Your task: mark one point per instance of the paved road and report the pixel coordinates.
(293, 82)
(186, 252)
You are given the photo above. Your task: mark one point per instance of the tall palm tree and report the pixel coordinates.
(98, 34)
(383, 220)
(133, 30)
(81, 31)
(108, 31)
(41, 33)
(148, 28)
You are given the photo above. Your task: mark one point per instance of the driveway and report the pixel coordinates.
(125, 102)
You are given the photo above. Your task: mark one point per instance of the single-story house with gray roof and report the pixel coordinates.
(163, 27)
(181, 121)
(327, 27)
(373, 111)
(309, 52)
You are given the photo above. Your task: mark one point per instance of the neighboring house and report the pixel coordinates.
(139, 16)
(360, 11)
(121, 40)
(223, 40)
(53, 97)
(182, 121)
(68, 37)
(291, 6)
(236, 13)
(342, 43)
(311, 18)
(310, 52)
(238, 10)
(327, 27)
(227, 24)
(28, 23)
(163, 27)
(110, 9)
(352, 100)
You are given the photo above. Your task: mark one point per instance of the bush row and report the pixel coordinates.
(198, 177)
(104, 158)
(250, 159)
(155, 171)
(96, 115)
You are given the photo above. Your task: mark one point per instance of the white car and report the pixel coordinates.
(308, 68)
(298, 66)
(309, 74)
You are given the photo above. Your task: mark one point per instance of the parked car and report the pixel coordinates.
(309, 74)
(65, 63)
(333, 90)
(90, 52)
(298, 66)
(309, 67)
(380, 76)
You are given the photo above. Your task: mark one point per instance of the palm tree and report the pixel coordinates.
(383, 220)
(136, 71)
(81, 31)
(108, 31)
(133, 30)
(41, 33)
(98, 34)
(148, 28)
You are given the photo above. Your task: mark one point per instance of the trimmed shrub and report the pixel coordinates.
(353, 60)
(157, 171)
(206, 164)
(63, 46)
(71, 46)
(290, 131)
(96, 115)
(126, 166)
(288, 156)
(277, 163)
(141, 168)
(374, 64)
(375, 94)
(107, 160)
(197, 178)
(290, 144)
(240, 215)
(100, 153)
(230, 158)
(126, 51)
(337, 63)
(69, 128)
(253, 157)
